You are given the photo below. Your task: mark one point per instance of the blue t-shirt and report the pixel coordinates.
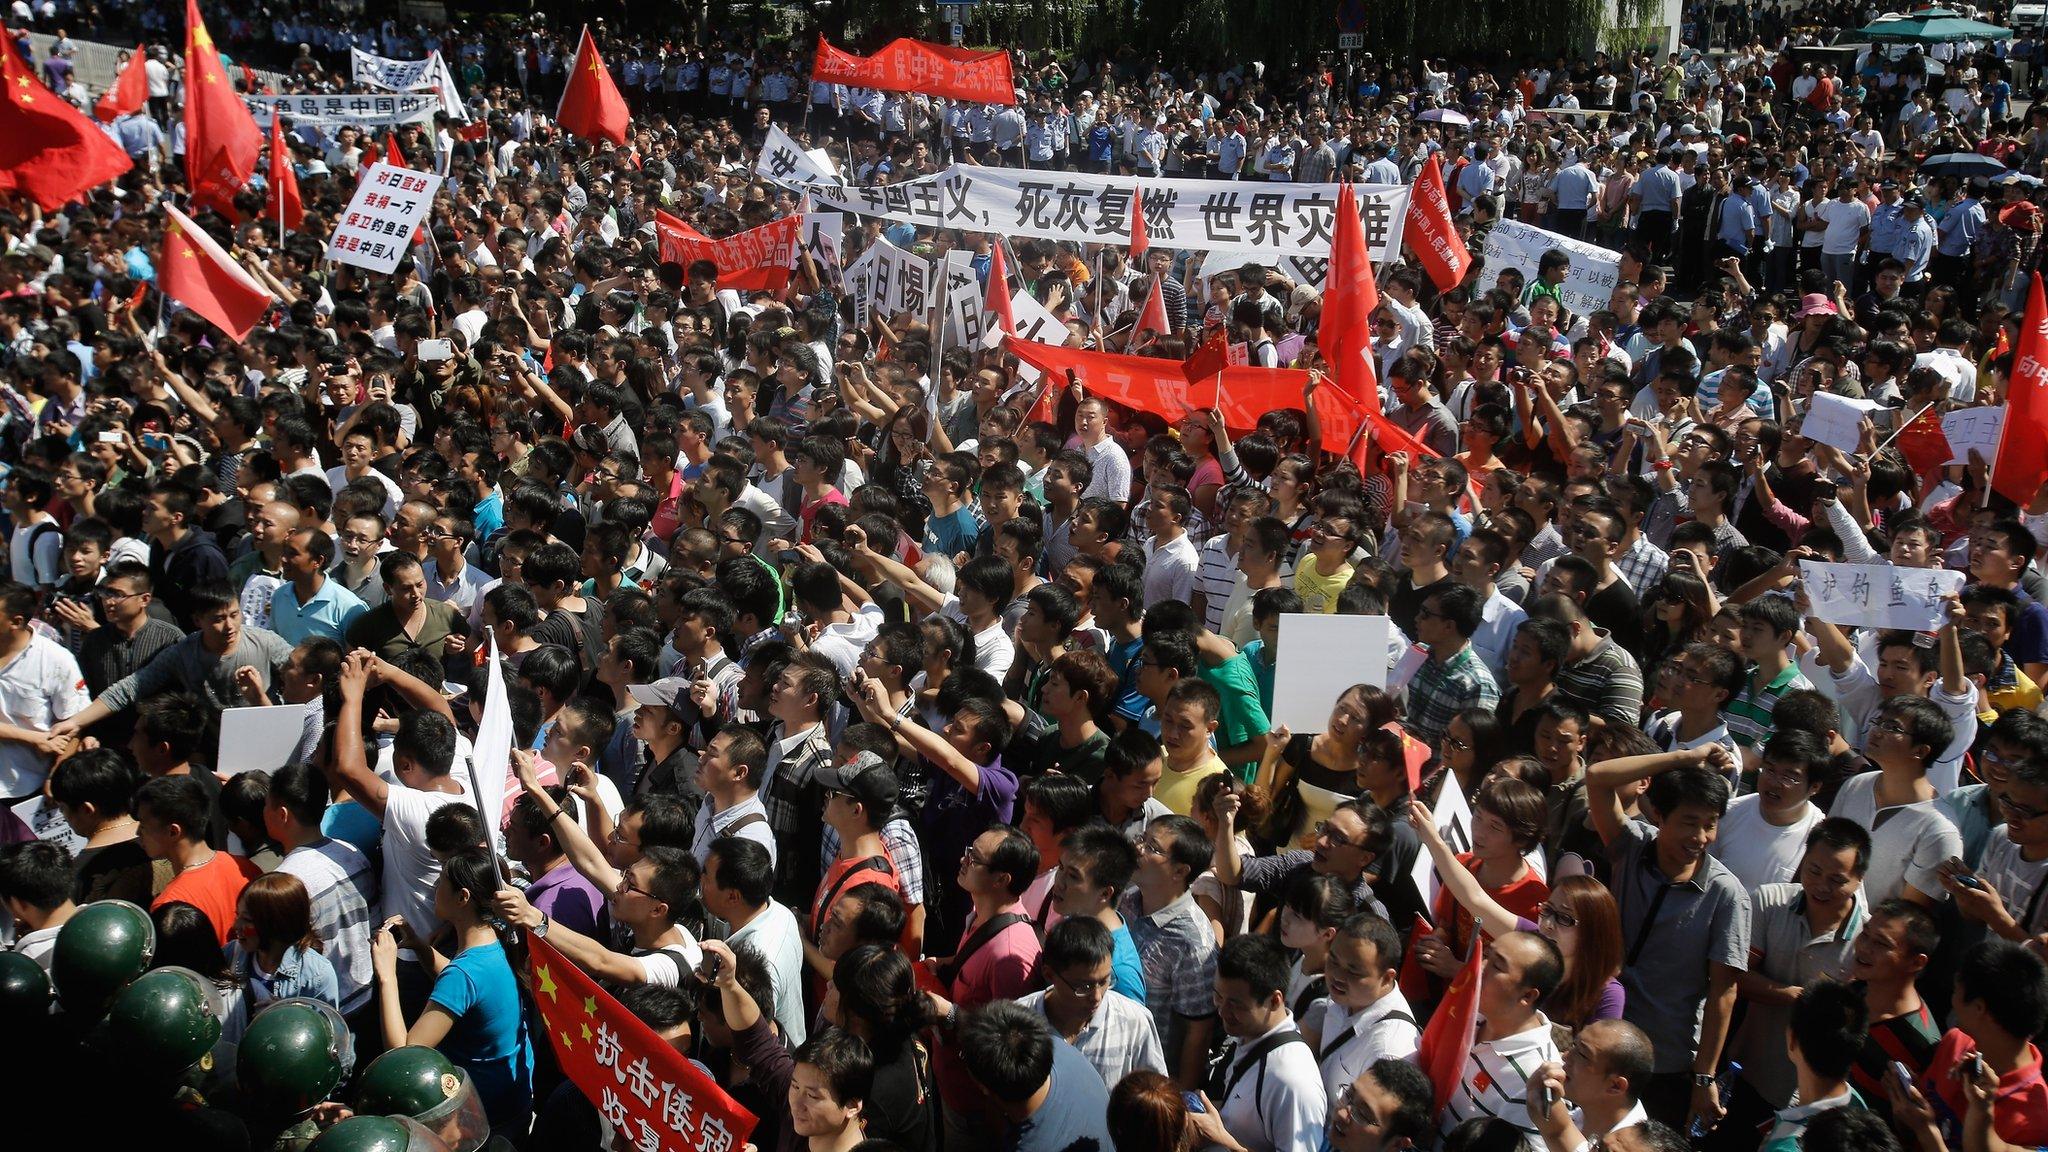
(489, 1036)
(489, 515)
(953, 533)
(1080, 1119)
(1126, 970)
(351, 823)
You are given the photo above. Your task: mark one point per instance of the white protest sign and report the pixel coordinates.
(820, 237)
(1453, 819)
(1977, 428)
(860, 284)
(258, 739)
(1879, 595)
(490, 756)
(1588, 282)
(1836, 421)
(964, 318)
(47, 821)
(1320, 656)
(783, 161)
(380, 220)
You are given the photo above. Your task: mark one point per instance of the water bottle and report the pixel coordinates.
(1699, 1127)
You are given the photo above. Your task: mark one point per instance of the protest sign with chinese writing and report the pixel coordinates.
(1879, 595)
(375, 110)
(1588, 283)
(914, 66)
(377, 227)
(758, 259)
(1836, 421)
(964, 319)
(822, 232)
(1270, 224)
(653, 1098)
(1968, 428)
(784, 161)
(388, 74)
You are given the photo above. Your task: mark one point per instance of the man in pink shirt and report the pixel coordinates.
(995, 961)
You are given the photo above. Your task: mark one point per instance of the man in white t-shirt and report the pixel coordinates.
(1842, 223)
(40, 684)
(423, 761)
(1764, 833)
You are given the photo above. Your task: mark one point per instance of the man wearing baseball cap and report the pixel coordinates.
(860, 796)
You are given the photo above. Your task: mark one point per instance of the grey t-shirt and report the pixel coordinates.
(1075, 1115)
(1672, 935)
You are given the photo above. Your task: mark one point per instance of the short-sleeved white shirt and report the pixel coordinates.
(38, 688)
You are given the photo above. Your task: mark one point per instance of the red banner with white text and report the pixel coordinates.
(755, 260)
(1432, 232)
(915, 66)
(652, 1096)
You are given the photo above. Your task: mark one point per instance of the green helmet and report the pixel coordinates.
(99, 950)
(24, 988)
(425, 1085)
(292, 1055)
(377, 1134)
(163, 1024)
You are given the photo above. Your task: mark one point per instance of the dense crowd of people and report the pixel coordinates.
(892, 727)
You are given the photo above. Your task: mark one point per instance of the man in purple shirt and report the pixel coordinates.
(562, 893)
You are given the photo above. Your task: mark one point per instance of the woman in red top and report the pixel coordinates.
(1508, 820)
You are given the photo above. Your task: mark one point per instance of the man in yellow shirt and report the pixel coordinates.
(1186, 720)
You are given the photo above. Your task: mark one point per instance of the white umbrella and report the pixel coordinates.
(1445, 116)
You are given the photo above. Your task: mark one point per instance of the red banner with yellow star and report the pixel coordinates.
(651, 1095)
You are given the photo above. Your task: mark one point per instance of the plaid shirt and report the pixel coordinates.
(1440, 691)
(1179, 954)
(1119, 1039)
(900, 840)
(1643, 565)
(796, 808)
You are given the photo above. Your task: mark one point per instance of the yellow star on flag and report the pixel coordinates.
(547, 983)
(566, 1042)
(586, 1033)
(212, 79)
(590, 1005)
(22, 81)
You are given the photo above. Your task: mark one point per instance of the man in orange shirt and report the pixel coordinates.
(171, 823)
(859, 798)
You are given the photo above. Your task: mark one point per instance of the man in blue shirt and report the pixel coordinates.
(1914, 246)
(1575, 185)
(1735, 230)
(1957, 237)
(1656, 196)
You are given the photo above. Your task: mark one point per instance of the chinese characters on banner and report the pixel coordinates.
(758, 259)
(1973, 428)
(391, 75)
(339, 109)
(1233, 221)
(1879, 595)
(914, 66)
(783, 161)
(965, 320)
(888, 279)
(822, 233)
(1588, 283)
(653, 1098)
(378, 226)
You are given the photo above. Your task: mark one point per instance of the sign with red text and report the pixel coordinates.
(378, 225)
(915, 66)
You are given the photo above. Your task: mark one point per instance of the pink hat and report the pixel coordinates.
(1815, 304)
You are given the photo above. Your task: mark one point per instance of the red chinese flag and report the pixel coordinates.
(285, 203)
(996, 297)
(2022, 464)
(130, 92)
(199, 274)
(1349, 297)
(1414, 978)
(591, 106)
(1208, 360)
(651, 1094)
(1141, 241)
(222, 141)
(393, 155)
(1432, 233)
(1451, 1029)
(1924, 444)
(249, 78)
(49, 151)
(1153, 316)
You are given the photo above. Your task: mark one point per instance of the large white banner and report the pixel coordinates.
(341, 109)
(1273, 221)
(965, 321)
(783, 161)
(821, 237)
(430, 74)
(388, 74)
(380, 220)
(1879, 595)
(1588, 284)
